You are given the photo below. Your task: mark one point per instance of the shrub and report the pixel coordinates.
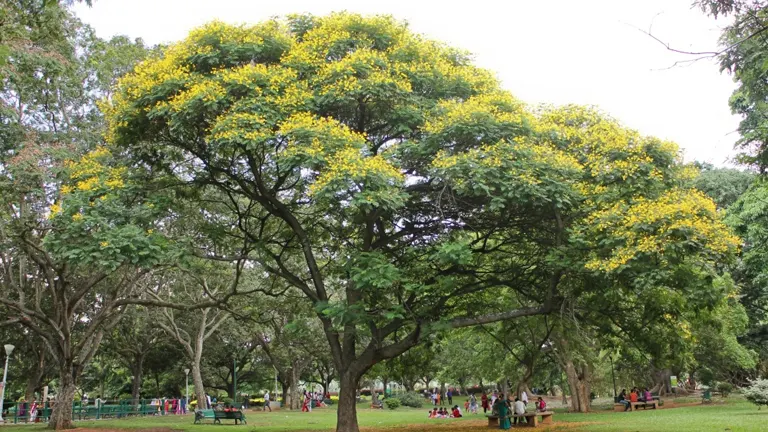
(413, 400)
(392, 403)
(724, 388)
(757, 392)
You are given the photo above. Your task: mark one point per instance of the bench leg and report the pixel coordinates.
(546, 419)
(493, 422)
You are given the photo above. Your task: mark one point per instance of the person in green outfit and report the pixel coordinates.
(502, 408)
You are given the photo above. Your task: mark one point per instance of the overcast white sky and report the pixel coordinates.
(552, 51)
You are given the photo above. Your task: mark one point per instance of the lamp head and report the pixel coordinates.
(9, 349)
(186, 371)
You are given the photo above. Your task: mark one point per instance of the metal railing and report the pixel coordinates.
(29, 412)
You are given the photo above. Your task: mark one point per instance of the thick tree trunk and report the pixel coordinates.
(197, 380)
(33, 380)
(409, 385)
(138, 375)
(578, 382)
(661, 382)
(523, 384)
(61, 417)
(462, 386)
(293, 401)
(346, 416)
(577, 375)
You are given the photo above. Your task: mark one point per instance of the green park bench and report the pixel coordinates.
(218, 416)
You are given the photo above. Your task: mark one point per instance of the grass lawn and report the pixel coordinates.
(736, 415)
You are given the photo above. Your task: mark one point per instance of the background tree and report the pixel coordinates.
(744, 51)
(131, 341)
(191, 329)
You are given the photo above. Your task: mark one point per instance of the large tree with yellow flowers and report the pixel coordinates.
(398, 187)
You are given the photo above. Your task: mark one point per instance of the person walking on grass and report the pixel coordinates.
(266, 402)
(449, 395)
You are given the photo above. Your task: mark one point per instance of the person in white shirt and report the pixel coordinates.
(519, 410)
(266, 402)
(524, 397)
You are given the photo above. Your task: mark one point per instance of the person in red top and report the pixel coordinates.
(541, 405)
(484, 402)
(456, 413)
(633, 396)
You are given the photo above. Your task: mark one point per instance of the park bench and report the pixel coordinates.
(493, 420)
(531, 418)
(635, 405)
(218, 416)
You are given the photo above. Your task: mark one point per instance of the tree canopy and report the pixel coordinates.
(399, 188)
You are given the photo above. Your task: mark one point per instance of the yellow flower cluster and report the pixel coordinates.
(236, 125)
(536, 157)
(55, 209)
(318, 137)
(605, 147)
(498, 107)
(351, 164)
(203, 90)
(648, 226)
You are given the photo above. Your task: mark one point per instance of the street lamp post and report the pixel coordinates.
(186, 372)
(8, 350)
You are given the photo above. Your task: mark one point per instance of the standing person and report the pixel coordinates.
(208, 403)
(494, 396)
(266, 402)
(183, 404)
(450, 397)
(440, 400)
(501, 408)
(524, 398)
(519, 410)
(472, 404)
(484, 402)
(433, 396)
(33, 411)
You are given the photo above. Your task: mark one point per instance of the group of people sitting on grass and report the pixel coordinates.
(455, 412)
(635, 395)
